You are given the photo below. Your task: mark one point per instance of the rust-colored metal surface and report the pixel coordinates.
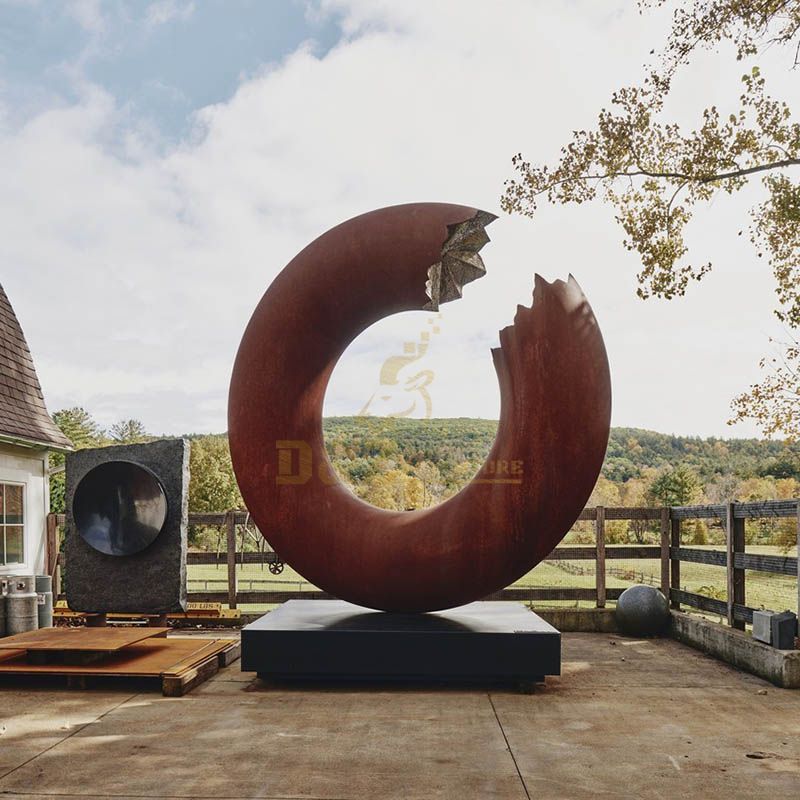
(98, 640)
(149, 658)
(552, 436)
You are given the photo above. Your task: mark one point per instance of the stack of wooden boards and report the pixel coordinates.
(179, 663)
(213, 614)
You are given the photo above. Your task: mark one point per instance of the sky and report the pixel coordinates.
(162, 161)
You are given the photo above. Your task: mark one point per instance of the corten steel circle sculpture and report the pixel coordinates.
(554, 420)
(119, 508)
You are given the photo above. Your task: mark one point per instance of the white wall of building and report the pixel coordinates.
(28, 466)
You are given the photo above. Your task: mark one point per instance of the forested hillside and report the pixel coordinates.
(397, 463)
(407, 463)
(631, 451)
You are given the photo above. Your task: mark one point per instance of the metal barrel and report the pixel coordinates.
(2, 613)
(44, 598)
(22, 605)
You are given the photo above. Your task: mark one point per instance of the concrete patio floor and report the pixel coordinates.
(627, 719)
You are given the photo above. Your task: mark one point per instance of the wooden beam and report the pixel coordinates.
(734, 543)
(561, 553)
(738, 572)
(230, 654)
(665, 552)
(766, 508)
(53, 547)
(267, 557)
(675, 564)
(632, 513)
(614, 551)
(517, 593)
(729, 561)
(716, 558)
(778, 565)
(633, 551)
(218, 518)
(230, 529)
(177, 685)
(699, 601)
(52, 544)
(758, 510)
(600, 544)
(743, 614)
(761, 509)
(537, 593)
(698, 512)
(573, 553)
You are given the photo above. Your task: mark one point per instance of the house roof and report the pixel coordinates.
(23, 414)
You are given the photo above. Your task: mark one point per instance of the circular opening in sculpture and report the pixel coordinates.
(410, 412)
(119, 508)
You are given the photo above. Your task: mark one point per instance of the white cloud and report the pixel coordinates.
(134, 269)
(87, 13)
(163, 11)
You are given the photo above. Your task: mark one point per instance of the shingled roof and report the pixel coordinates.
(23, 415)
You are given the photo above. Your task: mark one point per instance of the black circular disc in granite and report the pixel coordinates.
(119, 508)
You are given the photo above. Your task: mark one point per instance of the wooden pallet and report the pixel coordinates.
(178, 663)
(196, 613)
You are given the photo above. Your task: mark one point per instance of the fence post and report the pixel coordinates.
(52, 544)
(665, 552)
(798, 558)
(600, 568)
(734, 540)
(230, 528)
(675, 568)
(739, 586)
(53, 569)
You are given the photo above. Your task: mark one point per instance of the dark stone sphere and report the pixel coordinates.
(642, 611)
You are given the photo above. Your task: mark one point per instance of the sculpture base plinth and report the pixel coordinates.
(331, 640)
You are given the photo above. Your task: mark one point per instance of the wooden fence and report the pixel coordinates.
(669, 552)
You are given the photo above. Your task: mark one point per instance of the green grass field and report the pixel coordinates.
(776, 592)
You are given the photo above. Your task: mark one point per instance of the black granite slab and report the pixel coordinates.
(153, 580)
(491, 641)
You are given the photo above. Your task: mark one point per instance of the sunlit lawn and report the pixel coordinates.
(776, 592)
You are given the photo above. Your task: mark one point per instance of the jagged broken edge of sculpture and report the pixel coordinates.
(461, 263)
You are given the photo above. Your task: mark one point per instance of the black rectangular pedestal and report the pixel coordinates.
(489, 641)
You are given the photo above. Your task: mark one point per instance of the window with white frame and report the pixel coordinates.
(12, 523)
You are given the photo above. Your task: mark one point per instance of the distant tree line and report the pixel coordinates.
(83, 431)
(212, 486)
(404, 464)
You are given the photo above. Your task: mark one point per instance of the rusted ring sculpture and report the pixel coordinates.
(554, 420)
